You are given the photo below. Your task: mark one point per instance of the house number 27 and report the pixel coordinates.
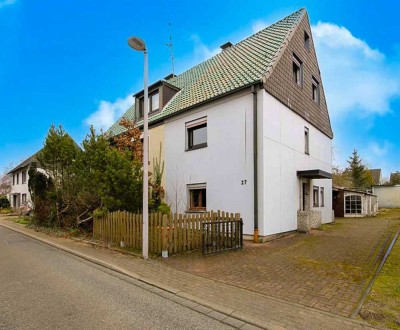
(244, 182)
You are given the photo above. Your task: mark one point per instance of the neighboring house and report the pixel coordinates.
(352, 203)
(388, 195)
(19, 194)
(376, 175)
(248, 131)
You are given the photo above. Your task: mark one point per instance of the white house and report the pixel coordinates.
(19, 194)
(249, 131)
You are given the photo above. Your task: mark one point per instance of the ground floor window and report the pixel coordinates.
(322, 193)
(315, 196)
(23, 198)
(197, 197)
(353, 204)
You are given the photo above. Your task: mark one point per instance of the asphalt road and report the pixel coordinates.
(42, 287)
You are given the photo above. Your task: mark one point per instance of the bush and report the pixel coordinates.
(164, 208)
(4, 202)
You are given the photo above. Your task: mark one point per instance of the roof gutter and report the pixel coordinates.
(255, 163)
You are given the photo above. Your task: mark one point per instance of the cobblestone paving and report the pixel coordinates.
(326, 269)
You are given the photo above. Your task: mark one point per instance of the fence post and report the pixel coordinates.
(164, 252)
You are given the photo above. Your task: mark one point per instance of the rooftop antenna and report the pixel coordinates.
(171, 49)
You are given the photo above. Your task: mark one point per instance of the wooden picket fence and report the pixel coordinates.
(173, 233)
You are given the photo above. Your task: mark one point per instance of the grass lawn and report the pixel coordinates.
(382, 307)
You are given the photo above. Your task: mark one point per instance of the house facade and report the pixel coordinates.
(248, 131)
(19, 194)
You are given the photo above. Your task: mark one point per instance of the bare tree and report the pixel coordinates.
(176, 190)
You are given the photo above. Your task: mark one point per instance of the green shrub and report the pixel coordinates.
(4, 202)
(164, 208)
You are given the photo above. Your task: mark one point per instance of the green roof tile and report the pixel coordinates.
(238, 66)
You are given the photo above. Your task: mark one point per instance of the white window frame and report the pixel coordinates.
(315, 196)
(306, 140)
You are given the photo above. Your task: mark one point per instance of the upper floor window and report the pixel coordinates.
(297, 70)
(196, 132)
(24, 177)
(17, 178)
(154, 103)
(315, 90)
(13, 179)
(306, 40)
(306, 140)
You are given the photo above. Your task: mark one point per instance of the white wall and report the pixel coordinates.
(222, 165)
(283, 155)
(20, 188)
(228, 159)
(388, 196)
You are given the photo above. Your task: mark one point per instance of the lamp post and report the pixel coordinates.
(139, 45)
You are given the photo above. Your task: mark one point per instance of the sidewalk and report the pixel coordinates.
(248, 306)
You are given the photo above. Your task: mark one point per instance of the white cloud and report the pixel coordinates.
(201, 51)
(379, 150)
(357, 78)
(4, 3)
(108, 113)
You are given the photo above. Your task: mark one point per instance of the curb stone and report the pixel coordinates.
(214, 308)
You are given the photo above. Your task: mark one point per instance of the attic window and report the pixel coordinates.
(315, 90)
(154, 103)
(297, 70)
(306, 40)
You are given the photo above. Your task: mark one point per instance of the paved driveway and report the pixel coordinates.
(327, 269)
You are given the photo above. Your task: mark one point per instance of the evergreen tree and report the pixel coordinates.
(360, 176)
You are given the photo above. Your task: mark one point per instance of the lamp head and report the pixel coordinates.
(137, 43)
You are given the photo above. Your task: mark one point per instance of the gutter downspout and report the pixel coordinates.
(255, 163)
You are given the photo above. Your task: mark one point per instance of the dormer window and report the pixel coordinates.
(154, 101)
(160, 93)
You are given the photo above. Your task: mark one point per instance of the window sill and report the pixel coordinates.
(196, 211)
(198, 146)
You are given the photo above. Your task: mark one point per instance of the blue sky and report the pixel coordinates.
(67, 62)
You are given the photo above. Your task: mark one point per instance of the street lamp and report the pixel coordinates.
(139, 45)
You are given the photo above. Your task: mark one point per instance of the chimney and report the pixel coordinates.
(226, 45)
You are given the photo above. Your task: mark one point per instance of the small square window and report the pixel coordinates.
(297, 70)
(315, 90)
(315, 196)
(306, 40)
(196, 134)
(306, 141)
(197, 197)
